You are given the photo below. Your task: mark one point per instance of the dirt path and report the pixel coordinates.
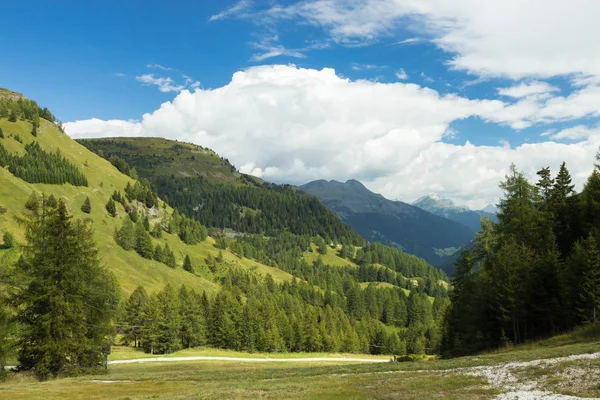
(248, 359)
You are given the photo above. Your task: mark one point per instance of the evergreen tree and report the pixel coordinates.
(170, 322)
(187, 264)
(169, 257)
(86, 207)
(69, 300)
(12, 117)
(126, 235)
(9, 240)
(585, 262)
(111, 207)
(134, 315)
(1, 134)
(143, 241)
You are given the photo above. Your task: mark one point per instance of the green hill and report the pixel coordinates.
(103, 179)
(154, 157)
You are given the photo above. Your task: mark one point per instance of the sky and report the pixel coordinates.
(411, 97)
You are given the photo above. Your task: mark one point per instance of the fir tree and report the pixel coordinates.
(187, 264)
(86, 207)
(111, 207)
(9, 240)
(69, 301)
(143, 242)
(134, 315)
(126, 235)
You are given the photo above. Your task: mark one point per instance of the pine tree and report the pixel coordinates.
(86, 207)
(134, 315)
(169, 257)
(34, 131)
(143, 242)
(9, 240)
(170, 323)
(69, 302)
(187, 264)
(12, 117)
(585, 262)
(111, 207)
(1, 134)
(126, 235)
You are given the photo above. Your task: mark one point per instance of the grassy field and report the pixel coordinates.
(449, 379)
(331, 258)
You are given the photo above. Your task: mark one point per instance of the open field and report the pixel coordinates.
(567, 365)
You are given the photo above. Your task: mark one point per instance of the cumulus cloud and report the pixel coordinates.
(97, 128)
(288, 124)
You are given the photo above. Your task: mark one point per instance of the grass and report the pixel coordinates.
(319, 380)
(130, 269)
(163, 157)
(331, 258)
(129, 353)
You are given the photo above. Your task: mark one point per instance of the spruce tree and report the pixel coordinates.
(86, 207)
(143, 242)
(187, 264)
(111, 207)
(12, 117)
(134, 315)
(9, 240)
(67, 306)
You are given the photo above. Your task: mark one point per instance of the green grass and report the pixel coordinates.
(163, 157)
(319, 380)
(331, 258)
(129, 353)
(130, 269)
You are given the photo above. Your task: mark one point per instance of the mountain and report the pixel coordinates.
(102, 179)
(446, 208)
(394, 223)
(491, 209)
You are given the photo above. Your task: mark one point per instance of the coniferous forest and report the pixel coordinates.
(533, 274)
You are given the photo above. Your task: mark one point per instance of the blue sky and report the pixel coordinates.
(485, 80)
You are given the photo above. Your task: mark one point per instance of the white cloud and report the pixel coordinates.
(119, 74)
(401, 74)
(288, 124)
(526, 89)
(103, 128)
(269, 48)
(164, 84)
(410, 41)
(158, 66)
(575, 133)
(238, 7)
(497, 38)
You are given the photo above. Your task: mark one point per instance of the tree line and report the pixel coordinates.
(256, 314)
(40, 166)
(533, 274)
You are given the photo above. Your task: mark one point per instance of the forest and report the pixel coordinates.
(533, 274)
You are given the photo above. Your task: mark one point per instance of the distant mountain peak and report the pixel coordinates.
(436, 201)
(490, 208)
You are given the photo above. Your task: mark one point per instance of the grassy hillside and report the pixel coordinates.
(130, 269)
(162, 157)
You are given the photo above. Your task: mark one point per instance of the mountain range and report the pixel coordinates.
(395, 223)
(446, 208)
